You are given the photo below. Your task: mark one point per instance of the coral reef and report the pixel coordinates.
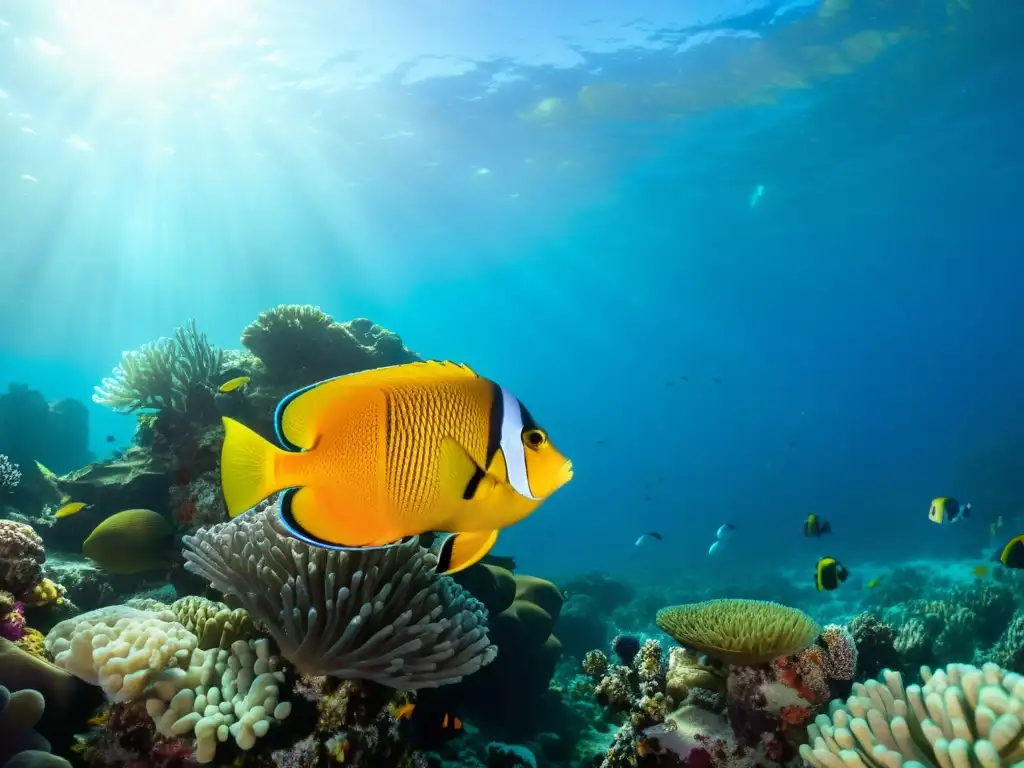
(959, 716)
(32, 430)
(380, 615)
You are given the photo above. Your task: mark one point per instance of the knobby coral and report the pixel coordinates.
(381, 615)
(21, 558)
(741, 632)
(161, 374)
(959, 717)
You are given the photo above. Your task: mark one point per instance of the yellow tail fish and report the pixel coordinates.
(373, 457)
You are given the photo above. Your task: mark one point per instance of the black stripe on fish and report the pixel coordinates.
(493, 433)
(473, 484)
(528, 421)
(444, 555)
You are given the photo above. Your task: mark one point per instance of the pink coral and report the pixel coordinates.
(21, 558)
(840, 658)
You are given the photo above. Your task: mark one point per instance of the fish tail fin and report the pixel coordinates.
(966, 510)
(246, 467)
(826, 527)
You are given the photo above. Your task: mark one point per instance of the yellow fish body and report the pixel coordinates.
(69, 509)
(873, 583)
(373, 457)
(232, 384)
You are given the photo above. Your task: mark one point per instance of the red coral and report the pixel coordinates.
(796, 715)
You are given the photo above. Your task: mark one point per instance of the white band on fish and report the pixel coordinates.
(512, 444)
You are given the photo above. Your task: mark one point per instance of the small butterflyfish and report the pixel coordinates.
(815, 526)
(649, 535)
(1012, 553)
(232, 384)
(372, 458)
(873, 583)
(69, 509)
(829, 574)
(947, 510)
(980, 570)
(724, 531)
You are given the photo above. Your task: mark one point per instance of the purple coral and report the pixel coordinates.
(10, 475)
(21, 558)
(12, 622)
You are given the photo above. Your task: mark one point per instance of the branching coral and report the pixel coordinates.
(381, 615)
(10, 474)
(161, 375)
(746, 632)
(959, 717)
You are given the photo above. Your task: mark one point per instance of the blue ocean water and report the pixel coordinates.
(746, 261)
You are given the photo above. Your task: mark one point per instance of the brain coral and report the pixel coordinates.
(741, 632)
(381, 614)
(962, 716)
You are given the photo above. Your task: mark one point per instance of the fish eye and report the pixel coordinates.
(535, 438)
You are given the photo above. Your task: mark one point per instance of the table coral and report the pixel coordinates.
(739, 631)
(21, 558)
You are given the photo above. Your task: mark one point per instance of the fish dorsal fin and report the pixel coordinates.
(296, 418)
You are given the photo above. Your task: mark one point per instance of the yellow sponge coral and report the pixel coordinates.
(741, 632)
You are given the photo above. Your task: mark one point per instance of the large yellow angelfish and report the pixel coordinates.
(376, 456)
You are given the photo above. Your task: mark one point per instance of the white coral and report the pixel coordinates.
(133, 653)
(961, 717)
(120, 648)
(222, 693)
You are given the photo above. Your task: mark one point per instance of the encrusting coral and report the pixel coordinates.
(960, 717)
(742, 632)
(381, 615)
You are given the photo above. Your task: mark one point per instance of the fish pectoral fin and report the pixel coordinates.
(460, 476)
(461, 550)
(246, 467)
